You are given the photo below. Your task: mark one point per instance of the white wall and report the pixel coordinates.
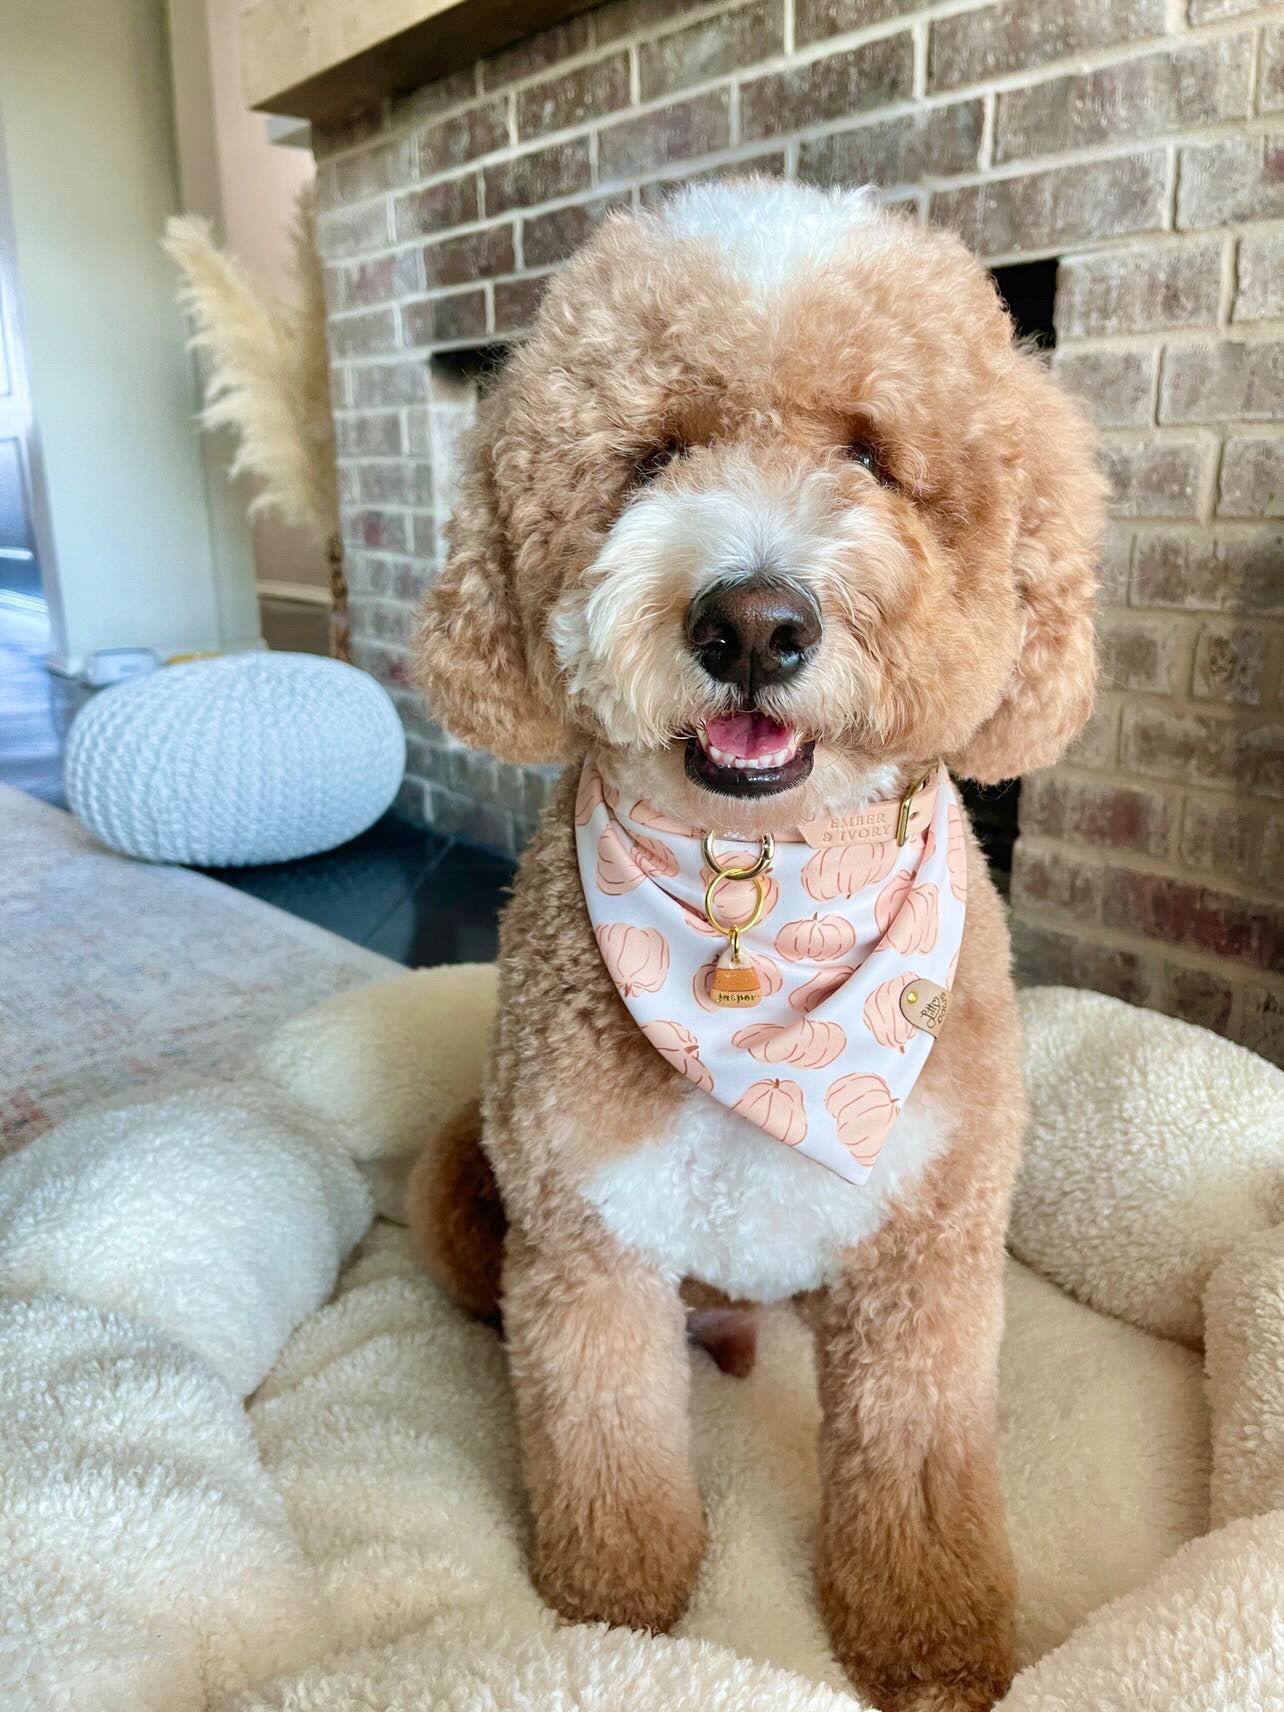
(85, 101)
(231, 173)
(260, 180)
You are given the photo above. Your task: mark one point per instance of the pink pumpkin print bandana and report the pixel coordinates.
(827, 1059)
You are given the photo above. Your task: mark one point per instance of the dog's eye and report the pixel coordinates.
(651, 463)
(863, 453)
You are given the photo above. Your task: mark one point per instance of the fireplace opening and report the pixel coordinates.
(475, 367)
(1029, 290)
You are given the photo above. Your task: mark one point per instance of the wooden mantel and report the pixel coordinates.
(327, 59)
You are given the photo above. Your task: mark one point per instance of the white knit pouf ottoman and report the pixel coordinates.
(244, 759)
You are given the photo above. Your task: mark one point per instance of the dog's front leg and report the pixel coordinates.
(914, 1571)
(597, 1348)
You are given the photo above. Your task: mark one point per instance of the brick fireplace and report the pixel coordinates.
(1139, 145)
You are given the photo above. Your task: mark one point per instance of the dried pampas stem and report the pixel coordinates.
(267, 378)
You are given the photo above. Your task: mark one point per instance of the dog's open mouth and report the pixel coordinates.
(748, 755)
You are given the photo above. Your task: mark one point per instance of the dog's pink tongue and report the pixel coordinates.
(747, 735)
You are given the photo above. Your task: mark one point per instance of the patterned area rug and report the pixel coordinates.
(116, 975)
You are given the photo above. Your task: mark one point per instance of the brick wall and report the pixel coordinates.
(1142, 143)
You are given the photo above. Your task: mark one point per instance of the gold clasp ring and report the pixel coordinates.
(754, 872)
(760, 900)
(760, 864)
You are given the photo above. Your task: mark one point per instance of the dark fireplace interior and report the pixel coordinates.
(1029, 289)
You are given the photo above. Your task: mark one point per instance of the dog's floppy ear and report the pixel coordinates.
(1050, 694)
(473, 664)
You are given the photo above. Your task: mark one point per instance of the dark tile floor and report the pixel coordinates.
(397, 889)
(36, 708)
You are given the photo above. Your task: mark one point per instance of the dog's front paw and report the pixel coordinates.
(927, 1648)
(634, 1571)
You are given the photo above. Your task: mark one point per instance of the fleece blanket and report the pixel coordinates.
(240, 1476)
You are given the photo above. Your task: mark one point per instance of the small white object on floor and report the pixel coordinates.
(109, 666)
(245, 759)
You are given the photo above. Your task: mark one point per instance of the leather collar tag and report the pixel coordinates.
(873, 824)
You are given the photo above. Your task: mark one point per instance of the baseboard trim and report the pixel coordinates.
(293, 594)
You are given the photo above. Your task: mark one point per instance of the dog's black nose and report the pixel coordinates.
(753, 633)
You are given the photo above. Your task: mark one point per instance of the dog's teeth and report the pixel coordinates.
(748, 763)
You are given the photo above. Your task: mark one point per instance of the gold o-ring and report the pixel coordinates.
(766, 851)
(760, 889)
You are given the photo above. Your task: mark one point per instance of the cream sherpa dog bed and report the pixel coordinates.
(355, 1537)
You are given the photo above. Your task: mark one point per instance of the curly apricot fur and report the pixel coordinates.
(957, 603)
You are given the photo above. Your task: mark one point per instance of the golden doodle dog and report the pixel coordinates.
(775, 523)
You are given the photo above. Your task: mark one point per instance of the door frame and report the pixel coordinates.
(32, 463)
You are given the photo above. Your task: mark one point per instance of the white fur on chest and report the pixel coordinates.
(716, 1199)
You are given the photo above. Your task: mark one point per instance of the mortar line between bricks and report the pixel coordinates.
(1187, 644)
(1162, 433)
(1156, 374)
(1210, 332)
(1228, 283)
(1177, 827)
(1233, 715)
(1223, 531)
(1235, 973)
(1111, 779)
(1236, 1015)
(919, 35)
(1210, 484)
(989, 116)
(1255, 69)
(1172, 179)
(1240, 889)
